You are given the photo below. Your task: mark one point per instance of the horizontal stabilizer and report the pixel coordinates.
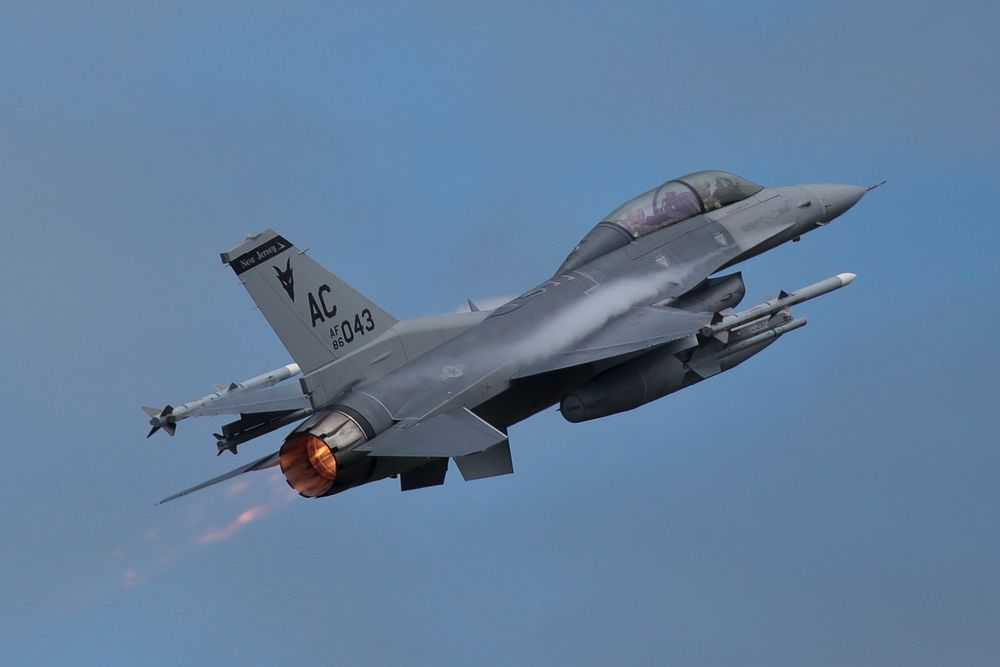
(454, 433)
(266, 462)
(494, 461)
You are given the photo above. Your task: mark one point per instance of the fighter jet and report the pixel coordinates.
(637, 311)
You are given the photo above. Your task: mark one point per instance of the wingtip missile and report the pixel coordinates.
(161, 419)
(168, 417)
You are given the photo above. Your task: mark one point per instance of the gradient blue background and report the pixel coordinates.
(834, 501)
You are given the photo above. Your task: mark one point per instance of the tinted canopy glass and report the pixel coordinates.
(680, 199)
(719, 188)
(671, 202)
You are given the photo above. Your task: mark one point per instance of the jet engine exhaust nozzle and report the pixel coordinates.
(308, 464)
(319, 453)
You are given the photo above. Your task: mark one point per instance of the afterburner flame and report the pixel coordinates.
(234, 527)
(321, 458)
(308, 464)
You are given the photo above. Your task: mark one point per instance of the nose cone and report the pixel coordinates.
(836, 199)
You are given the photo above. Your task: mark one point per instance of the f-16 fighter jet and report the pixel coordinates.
(637, 311)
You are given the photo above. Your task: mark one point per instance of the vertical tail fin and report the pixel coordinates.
(317, 316)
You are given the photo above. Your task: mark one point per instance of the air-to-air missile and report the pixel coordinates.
(219, 401)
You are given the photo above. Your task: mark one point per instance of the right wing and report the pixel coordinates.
(639, 329)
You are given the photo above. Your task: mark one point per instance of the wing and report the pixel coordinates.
(266, 462)
(277, 398)
(267, 393)
(639, 329)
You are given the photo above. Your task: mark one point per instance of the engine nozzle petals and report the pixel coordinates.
(318, 458)
(308, 464)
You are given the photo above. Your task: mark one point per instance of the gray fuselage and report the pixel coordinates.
(476, 368)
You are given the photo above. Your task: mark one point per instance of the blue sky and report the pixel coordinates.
(833, 501)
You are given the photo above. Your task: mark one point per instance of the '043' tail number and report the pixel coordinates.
(343, 334)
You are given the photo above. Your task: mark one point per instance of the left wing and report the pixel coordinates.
(265, 462)
(280, 397)
(637, 330)
(263, 393)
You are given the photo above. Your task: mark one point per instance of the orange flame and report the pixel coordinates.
(234, 527)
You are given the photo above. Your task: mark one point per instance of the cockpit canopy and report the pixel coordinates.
(675, 200)
(679, 199)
